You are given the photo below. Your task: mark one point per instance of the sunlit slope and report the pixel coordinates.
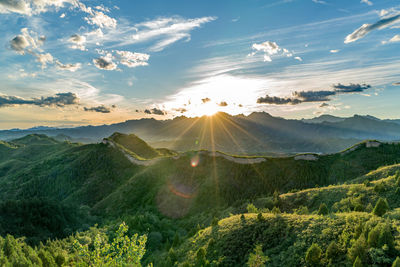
(284, 238)
(292, 225)
(136, 147)
(175, 185)
(101, 175)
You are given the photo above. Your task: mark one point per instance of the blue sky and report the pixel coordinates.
(70, 62)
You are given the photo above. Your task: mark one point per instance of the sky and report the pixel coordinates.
(66, 63)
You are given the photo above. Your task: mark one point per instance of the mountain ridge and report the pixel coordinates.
(256, 133)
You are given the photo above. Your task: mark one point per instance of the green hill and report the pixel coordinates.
(285, 239)
(172, 197)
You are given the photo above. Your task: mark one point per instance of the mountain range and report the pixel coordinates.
(257, 133)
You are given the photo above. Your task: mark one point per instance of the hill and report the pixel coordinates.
(347, 230)
(171, 197)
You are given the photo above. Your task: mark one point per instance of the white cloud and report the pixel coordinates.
(366, 2)
(100, 19)
(298, 58)
(29, 7)
(395, 38)
(334, 50)
(269, 49)
(78, 42)
(62, 15)
(26, 41)
(131, 59)
(44, 59)
(105, 62)
(366, 28)
(319, 2)
(69, 67)
(166, 31)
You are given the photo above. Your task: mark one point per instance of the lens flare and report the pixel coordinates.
(194, 161)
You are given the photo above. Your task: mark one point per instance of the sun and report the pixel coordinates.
(207, 109)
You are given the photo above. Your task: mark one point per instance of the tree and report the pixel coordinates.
(277, 199)
(257, 258)
(358, 249)
(357, 262)
(323, 209)
(381, 207)
(396, 262)
(122, 251)
(214, 222)
(251, 208)
(373, 236)
(313, 254)
(260, 217)
(332, 250)
(386, 237)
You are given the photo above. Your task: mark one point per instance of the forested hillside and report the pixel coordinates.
(54, 193)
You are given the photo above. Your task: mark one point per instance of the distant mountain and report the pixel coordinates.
(393, 121)
(257, 133)
(324, 118)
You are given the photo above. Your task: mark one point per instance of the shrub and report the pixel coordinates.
(123, 250)
(323, 209)
(358, 249)
(373, 236)
(251, 208)
(257, 258)
(332, 250)
(396, 262)
(381, 207)
(357, 262)
(313, 254)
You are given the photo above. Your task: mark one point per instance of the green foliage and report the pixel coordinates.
(257, 257)
(332, 251)
(121, 251)
(251, 208)
(396, 263)
(358, 249)
(323, 209)
(313, 255)
(381, 207)
(357, 262)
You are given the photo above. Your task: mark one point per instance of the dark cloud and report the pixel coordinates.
(366, 28)
(223, 104)
(104, 63)
(351, 88)
(323, 105)
(277, 100)
(205, 100)
(313, 96)
(181, 110)
(19, 43)
(155, 111)
(59, 100)
(396, 83)
(100, 109)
